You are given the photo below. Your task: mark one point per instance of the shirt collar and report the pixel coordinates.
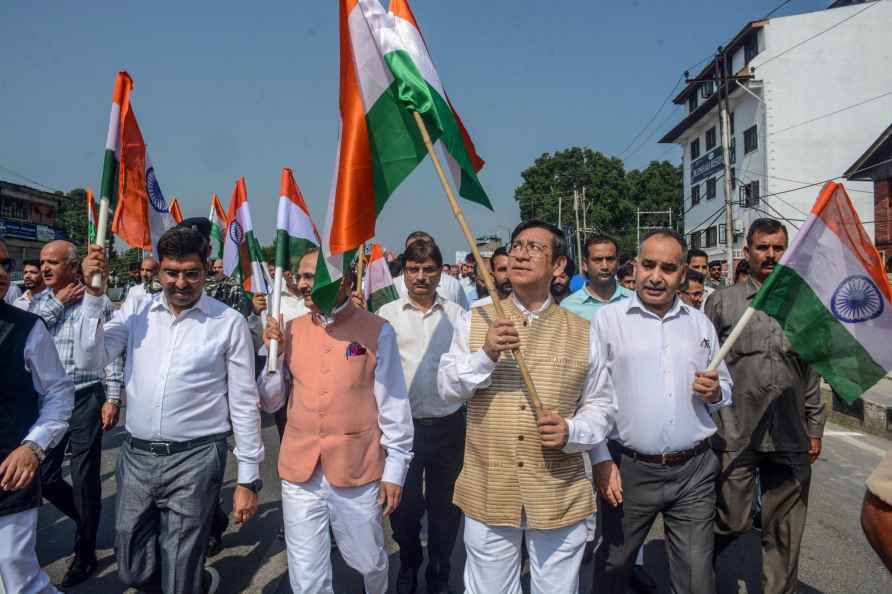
(530, 315)
(678, 307)
(159, 301)
(409, 304)
(752, 287)
(328, 320)
(618, 292)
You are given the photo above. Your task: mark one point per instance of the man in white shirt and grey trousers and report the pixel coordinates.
(659, 460)
(189, 383)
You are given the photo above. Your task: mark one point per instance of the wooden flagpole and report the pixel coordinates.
(535, 402)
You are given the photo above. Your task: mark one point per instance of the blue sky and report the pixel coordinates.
(225, 89)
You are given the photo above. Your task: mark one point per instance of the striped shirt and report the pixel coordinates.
(63, 323)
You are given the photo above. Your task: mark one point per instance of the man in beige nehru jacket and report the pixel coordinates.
(524, 477)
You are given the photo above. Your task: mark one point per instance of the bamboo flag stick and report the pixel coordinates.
(732, 338)
(535, 402)
(272, 363)
(96, 281)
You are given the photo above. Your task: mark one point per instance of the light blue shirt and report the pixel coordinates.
(652, 362)
(585, 304)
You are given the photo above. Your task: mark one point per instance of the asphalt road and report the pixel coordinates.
(835, 558)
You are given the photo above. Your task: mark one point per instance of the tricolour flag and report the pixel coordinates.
(175, 212)
(92, 218)
(378, 286)
(385, 74)
(218, 225)
(141, 216)
(831, 296)
(242, 254)
(295, 230)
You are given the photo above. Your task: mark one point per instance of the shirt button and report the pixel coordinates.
(520, 464)
(526, 322)
(523, 407)
(520, 438)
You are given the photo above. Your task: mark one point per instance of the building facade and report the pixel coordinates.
(27, 221)
(812, 91)
(875, 166)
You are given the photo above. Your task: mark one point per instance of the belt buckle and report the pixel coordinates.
(159, 448)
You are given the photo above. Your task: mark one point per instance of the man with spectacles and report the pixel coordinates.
(523, 475)
(693, 290)
(424, 323)
(97, 400)
(36, 398)
(190, 384)
(450, 288)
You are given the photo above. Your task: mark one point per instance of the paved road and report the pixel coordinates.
(836, 558)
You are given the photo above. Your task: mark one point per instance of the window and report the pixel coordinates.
(750, 140)
(749, 194)
(695, 149)
(13, 208)
(712, 236)
(695, 195)
(723, 238)
(695, 240)
(710, 188)
(710, 138)
(731, 122)
(692, 100)
(751, 48)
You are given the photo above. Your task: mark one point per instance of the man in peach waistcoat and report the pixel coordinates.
(348, 436)
(523, 476)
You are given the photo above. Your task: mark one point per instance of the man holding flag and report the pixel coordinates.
(776, 424)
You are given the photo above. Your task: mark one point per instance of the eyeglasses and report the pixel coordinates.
(7, 264)
(425, 270)
(193, 276)
(533, 249)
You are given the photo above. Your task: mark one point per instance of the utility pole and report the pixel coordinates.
(576, 209)
(725, 125)
(584, 208)
(560, 199)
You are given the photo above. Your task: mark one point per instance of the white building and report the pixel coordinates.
(819, 94)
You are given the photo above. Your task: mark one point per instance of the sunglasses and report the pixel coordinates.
(7, 264)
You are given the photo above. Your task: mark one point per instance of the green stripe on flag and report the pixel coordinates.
(289, 250)
(109, 186)
(381, 297)
(325, 289)
(818, 337)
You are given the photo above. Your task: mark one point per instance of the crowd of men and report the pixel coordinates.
(419, 409)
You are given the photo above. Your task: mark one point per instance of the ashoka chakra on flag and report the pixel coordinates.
(856, 300)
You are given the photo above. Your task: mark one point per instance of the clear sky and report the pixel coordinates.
(225, 89)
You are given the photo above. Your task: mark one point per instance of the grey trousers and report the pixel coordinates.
(685, 496)
(163, 516)
(785, 479)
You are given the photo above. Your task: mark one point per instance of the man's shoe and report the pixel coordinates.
(641, 581)
(407, 580)
(78, 572)
(210, 580)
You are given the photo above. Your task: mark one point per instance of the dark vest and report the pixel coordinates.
(18, 400)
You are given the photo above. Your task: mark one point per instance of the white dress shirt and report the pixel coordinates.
(135, 291)
(652, 362)
(462, 373)
(24, 300)
(449, 289)
(186, 377)
(394, 411)
(55, 390)
(423, 337)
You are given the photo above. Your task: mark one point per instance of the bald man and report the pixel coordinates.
(148, 279)
(97, 399)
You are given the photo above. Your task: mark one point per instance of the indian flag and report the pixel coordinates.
(295, 231)
(378, 286)
(92, 218)
(175, 211)
(218, 225)
(242, 255)
(141, 216)
(386, 74)
(831, 296)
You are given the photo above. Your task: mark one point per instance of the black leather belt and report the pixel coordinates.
(166, 448)
(450, 418)
(667, 459)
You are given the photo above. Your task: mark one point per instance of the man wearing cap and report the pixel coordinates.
(189, 384)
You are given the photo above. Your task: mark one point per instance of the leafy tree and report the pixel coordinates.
(608, 194)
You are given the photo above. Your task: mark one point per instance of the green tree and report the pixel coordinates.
(608, 194)
(72, 217)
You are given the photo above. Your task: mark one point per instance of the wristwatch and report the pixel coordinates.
(115, 401)
(38, 451)
(254, 486)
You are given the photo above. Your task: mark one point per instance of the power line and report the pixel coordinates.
(776, 8)
(816, 35)
(29, 180)
(832, 113)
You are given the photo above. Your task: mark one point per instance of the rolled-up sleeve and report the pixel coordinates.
(462, 372)
(244, 410)
(394, 411)
(594, 418)
(54, 388)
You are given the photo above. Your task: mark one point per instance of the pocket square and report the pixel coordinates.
(354, 349)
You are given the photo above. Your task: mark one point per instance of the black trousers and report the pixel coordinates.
(685, 496)
(439, 452)
(82, 499)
